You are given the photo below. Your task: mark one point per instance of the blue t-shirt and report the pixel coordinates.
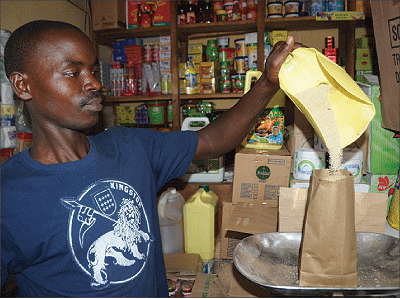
(89, 228)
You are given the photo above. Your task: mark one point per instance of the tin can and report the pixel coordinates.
(274, 8)
(225, 68)
(292, 7)
(226, 84)
(233, 80)
(240, 82)
(241, 65)
(226, 54)
(240, 48)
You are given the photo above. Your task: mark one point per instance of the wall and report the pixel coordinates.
(17, 13)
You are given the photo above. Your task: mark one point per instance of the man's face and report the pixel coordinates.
(275, 131)
(64, 82)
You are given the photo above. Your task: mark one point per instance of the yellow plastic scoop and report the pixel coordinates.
(331, 100)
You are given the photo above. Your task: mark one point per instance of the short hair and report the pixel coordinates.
(23, 42)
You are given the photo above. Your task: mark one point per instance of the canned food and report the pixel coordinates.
(240, 48)
(292, 7)
(240, 82)
(226, 54)
(233, 79)
(225, 68)
(240, 64)
(271, 16)
(290, 15)
(226, 84)
(274, 8)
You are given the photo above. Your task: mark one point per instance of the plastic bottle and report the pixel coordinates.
(199, 222)
(170, 211)
(191, 79)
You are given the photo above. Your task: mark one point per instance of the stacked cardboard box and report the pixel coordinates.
(253, 206)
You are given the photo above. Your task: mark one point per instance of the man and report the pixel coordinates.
(79, 215)
(275, 136)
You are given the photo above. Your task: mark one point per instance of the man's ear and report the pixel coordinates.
(20, 86)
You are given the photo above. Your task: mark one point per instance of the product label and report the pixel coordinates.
(269, 128)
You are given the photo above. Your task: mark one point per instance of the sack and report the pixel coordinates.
(328, 250)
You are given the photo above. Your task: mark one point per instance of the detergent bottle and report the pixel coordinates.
(199, 222)
(170, 211)
(204, 171)
(267, 133)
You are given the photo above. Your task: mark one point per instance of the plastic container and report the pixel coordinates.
(170, 215)
(267, 133)
(206, 171)
(199, 223)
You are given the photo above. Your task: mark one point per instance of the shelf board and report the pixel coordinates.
(204, 30)
(216, 96)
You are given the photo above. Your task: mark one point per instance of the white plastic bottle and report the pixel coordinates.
(170, 211)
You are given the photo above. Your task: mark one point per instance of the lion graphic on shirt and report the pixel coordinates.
(117, 244)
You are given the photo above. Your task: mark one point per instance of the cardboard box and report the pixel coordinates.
(360, 76)
(340, 16)
(370, 211)
(108, 14)
(208, 286)
(196, 49)
(160, 14)
(183, 265)
(242, 219)
(258, 174)
(386, 16)
(383, 154)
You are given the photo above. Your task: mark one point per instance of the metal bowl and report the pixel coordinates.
(271, 260)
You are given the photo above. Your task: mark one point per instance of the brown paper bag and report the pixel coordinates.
(328, 251)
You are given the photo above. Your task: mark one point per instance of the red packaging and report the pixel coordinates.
(132, 14)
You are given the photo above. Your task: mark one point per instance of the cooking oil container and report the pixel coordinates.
(199, 222)
(267, 133)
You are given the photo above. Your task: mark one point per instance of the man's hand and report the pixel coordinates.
(275, 60)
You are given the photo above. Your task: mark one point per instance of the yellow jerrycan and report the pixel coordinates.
(199, 223)
(267, 133)
(331, 100)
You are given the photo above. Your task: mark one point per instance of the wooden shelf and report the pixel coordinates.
(216, 96)
(183, 33)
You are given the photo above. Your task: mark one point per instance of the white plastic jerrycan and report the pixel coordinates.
(203, 171)
(170, 215)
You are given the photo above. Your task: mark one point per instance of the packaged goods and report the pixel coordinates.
(329, 228)
(191, 78)
(212, 50)
(157, 112)
(267, 133)
(259, 174)
(305, 160)
(222, 15)
(199, 222)
(240, 48)
(170, 214)
(274, 8)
